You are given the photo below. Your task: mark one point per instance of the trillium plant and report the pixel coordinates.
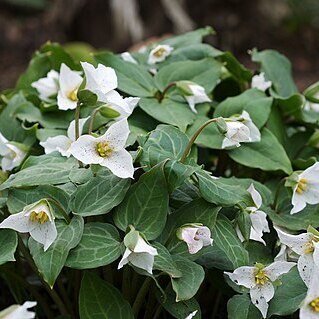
(171, 182)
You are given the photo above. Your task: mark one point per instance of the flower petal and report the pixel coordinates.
(45, 233)
(18, 222)
(124, 259)
(64, 103)
(117, 134)
(143, 247)
(305, 267)
(71, 129)
(256, 197)
(60, 143)
(278, 268)
(127, 57)
(203, 233)
(260, 295)
(69, 80)
(142, 260)
(243, 276)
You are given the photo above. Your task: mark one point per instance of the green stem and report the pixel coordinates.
(162, 95)
(63, 211)
(141, 296)
(77, 125)
(92, 118)
(126, 282)
(158, 312)
(193, 139)
(281, 182)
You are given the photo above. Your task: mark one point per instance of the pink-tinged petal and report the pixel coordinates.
(142, 260)
(260, 295)
(243, 276)
(124, 259)
(278, 268)
(120, 163)
(143, 247)
(117, 134)
(305, 267)
(18, 222)
(203, 233)
(64, 103)
(71, 129)
(255, 195)
(60, 143)
(45, 233)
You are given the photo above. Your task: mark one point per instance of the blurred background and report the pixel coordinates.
(289, 26)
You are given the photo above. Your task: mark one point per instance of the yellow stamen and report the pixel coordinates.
(314, 304)
(260, 277)
(302, 186)
(310, 248)
(104, 149)
(40, 217)
(160, 52)
(73, 95)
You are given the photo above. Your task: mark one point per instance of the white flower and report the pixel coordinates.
(259, 280)
(311, 106)
(69, 83)
(196, 236)
(107, 150)
(306, 190)
(12, 154)
(62, 143)
(127, 57)
(19, 311)
(192, 314)
(259, 224)
(138, 252)
(36, 219)
(240, 129)
(259, 82)
(160, 53)
(306, 245)
(48, 86)
(310, 306)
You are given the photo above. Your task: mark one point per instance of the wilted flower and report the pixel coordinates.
(62, 143)
(305, 189)
(12, 153)
(47, 87)
(69, 83)
(193, 93)
(107, 150)
(160, 53)
(259, 224)
(36, 219)
(126, 56)
(259, 280)
(259, 82)
(19, 311)
(138, 252)
(196, 236)
(306, 245)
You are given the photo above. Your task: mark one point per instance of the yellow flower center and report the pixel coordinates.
(302, 186)
(309, 248)
(40, 217)
(314, 304)
(104, 149)
(159, 52)
(260, 277)
(73, 95)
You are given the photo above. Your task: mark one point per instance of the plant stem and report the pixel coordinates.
(64, 213)
(77, 125)
(162, 95)
(126, 283)
(278, 192)
(141, 295)
(92, 118)
(158, 312)
(193, 139)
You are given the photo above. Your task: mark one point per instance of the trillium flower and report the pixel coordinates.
(36, 219)
(192, 314)
(259, 280)
(259, 82)
(306, 188)
(62, 143)
(240, 129)
(69, 83)
(12, 154)
(160, 53)
(193, 93)
(47, 87)
(19, 311)
(138, 252)
(306, 245)
(259, 224)
(106, 150)
(310, 306)
(127, 57)
(196, 236)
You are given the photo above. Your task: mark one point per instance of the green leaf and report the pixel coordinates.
(133, 79)
(293, 290)
(51, 262)
(255, 102)
(240, 307)
(8, 244)
(268, 154)
(99, 246)
(168, 111)
(99, 195)
(100, 300)
(193, 275)
(227, 240)
(277, 69)
(145, 205)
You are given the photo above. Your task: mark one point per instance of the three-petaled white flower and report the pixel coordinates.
(306, 188)
(69, 84)
(138, 252)
(36, 219)
(19, 311)
(240, 129)
(259, 82)
(107, 150)
(306, 245)
(196, 236)
(12, 154)
(159, 53)
(259, 224)
(127, 57)
(62, 143)
(310, 306)
(193, 93)
(259, 280)
(48, 86)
